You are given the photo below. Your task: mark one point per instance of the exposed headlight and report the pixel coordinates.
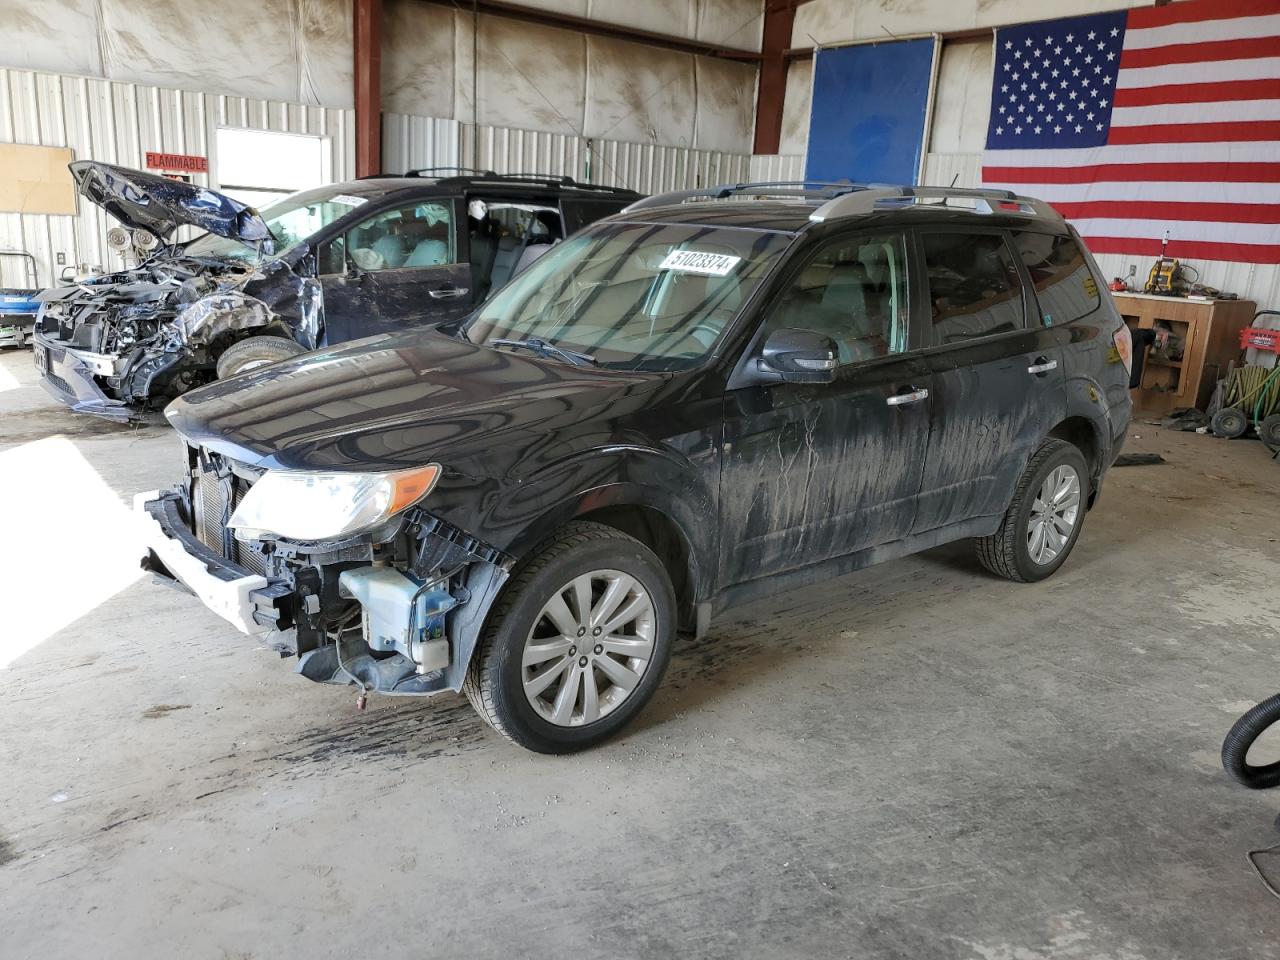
(300, 505)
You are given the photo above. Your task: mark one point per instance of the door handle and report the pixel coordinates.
(913, 396)
(448, 293)
(1042, 365)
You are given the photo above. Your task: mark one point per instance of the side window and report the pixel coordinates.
(855, 291)
(973, 286)
(417, 235)
(332, 257)
(1064, 286)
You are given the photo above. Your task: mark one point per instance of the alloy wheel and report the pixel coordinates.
(1054, 513)
(589, 647)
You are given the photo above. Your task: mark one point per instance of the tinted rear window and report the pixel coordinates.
(1064, 286)
(974, 289)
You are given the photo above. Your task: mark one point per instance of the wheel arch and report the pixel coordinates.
(1086, 436)
(645, 514)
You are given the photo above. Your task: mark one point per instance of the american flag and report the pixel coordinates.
(1141, 122)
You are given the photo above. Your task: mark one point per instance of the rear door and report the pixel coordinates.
(402, 266)
(997, 376)
(815, 471)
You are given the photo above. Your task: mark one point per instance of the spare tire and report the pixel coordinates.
(1229, 423)
(1235, 748)
(256, 352)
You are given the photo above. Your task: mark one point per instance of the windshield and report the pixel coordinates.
(633, 296)
(291, 220)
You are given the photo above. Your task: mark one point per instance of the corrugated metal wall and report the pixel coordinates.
(410, 142)
(776, 166)
(118, 123)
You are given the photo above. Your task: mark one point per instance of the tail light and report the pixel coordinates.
(1123, 340)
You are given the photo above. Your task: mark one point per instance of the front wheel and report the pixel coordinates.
(1044, 518)
(255, 352)
(577, 642)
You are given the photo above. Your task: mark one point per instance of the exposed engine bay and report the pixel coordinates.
(153, 332)
(119, 343)
(395, 610)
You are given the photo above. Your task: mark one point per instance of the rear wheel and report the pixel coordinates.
(577, 643)
(255, 352)
(1044, 518)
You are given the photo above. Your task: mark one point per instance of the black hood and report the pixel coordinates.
(404, 400)
(162, 205)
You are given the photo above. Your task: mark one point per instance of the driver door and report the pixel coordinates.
(820, 470)
(399, 268)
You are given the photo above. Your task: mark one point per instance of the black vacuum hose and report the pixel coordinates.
(1235, 748)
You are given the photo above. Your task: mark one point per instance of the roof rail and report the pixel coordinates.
(431, 171)
(784, 188)
(985, 201)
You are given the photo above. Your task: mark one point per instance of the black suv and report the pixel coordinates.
(708, 397)
(313, 269)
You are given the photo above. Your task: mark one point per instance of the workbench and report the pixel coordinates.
(1210, 332)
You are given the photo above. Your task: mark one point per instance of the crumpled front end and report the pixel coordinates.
(396, 610)
(123, 343)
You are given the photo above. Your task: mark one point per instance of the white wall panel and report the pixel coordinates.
(830, 22)
(795, 108)
(411, 142)
(953, 169)
(1258, 282)
(287, 50)
(962, 102)
(766, 168)
(118, 123)
(563, 82)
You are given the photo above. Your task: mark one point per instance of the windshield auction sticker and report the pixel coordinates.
(691, 261)
(347, 200)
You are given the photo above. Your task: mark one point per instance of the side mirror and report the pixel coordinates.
(800, 356)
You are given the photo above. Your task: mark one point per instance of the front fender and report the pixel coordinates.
(660, 481)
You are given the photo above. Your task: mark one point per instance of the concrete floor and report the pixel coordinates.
(916, 761)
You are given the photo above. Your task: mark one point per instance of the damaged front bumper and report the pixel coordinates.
(68, 376)
(244, 599)
(415, 636)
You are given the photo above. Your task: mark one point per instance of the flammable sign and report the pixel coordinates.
(177, 162)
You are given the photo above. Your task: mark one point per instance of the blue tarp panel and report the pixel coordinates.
(866, 123)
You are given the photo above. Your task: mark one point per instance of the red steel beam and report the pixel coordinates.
(367, 17)
(779, 15)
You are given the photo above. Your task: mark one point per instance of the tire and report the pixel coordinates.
(1008, 552)
(1235, 748)
(1269, 431)
(1229, 423)
(255, 352)
(497, 677)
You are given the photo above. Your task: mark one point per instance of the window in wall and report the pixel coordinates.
(854, 291)
(1064, 286)
(258, 167)
(418, 235)
(973, 286)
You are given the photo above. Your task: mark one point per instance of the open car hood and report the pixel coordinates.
(162, 205)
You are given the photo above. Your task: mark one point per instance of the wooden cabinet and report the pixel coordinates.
(1210, 333)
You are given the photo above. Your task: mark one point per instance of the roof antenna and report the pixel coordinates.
(953, 180)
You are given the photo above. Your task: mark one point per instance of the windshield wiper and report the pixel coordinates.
(545, 349)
